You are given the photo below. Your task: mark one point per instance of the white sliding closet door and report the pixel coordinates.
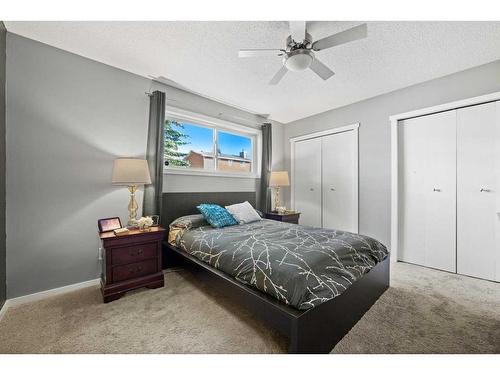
(428, 191)
(478, 173)
(307, 189)
(340, 189)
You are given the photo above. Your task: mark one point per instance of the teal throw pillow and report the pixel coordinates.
(217, 216)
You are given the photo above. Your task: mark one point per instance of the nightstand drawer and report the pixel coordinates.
(135, 253)
(134, 270)
(130, 261)
(290, 219)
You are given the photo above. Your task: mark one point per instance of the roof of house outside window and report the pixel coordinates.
(220, 156)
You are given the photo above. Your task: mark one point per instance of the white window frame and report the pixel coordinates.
(225, 126)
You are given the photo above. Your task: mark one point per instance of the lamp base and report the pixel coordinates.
(277, 198)
(132, 207)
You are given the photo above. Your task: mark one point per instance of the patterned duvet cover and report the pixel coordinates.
(298, 265)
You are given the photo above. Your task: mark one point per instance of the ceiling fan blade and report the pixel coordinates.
(277, 77)
(260, 52)
(298, 30)
(349, 35)
(321, 69)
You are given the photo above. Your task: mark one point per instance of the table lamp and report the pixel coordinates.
(278, 179)
(131, 173)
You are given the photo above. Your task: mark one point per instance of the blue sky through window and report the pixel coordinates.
(232, 144)
(201, 139)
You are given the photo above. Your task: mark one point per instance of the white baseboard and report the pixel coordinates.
(50, 293)
(46, 293)
(3, 310)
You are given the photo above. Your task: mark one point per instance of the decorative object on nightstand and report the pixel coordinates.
(121, 231)
(287, 217)
(131, 260)
(156, 220)
(278, 179)
(145, 223)
(131, 173)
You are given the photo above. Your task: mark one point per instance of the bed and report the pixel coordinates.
(287, 291)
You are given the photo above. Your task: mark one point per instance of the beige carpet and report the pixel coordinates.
(424, 311)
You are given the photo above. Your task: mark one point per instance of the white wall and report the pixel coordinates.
(68, 118)
(374, 135)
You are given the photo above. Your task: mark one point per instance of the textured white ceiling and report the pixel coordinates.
(203, 56)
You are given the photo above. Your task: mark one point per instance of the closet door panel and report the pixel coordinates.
(478, 144)
(412, 193)
(497, 191)
(440, 191)
(428, 191)
(339, 181)
(307, 177)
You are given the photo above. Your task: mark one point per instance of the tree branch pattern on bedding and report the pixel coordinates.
(300, 266)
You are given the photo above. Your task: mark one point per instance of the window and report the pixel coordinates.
(232, 147)
(198, 146)
(188, 145)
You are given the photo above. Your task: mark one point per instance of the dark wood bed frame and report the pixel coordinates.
(316, 330)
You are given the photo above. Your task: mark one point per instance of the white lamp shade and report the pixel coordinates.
(130, 172)
(279, 178)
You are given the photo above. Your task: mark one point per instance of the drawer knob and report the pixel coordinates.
(135, 253)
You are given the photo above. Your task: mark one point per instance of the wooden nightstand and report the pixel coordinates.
(288, 218)
(131, 261)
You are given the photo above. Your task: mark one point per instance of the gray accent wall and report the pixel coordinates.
(68, 118)
(375, 137)
(3, 279)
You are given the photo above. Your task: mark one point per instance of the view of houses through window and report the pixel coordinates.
(189, 145)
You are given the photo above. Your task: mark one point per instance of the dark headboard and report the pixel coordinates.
(175, 205)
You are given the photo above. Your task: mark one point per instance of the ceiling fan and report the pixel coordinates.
(299, 55)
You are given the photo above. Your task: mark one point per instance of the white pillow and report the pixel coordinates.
(244, 213)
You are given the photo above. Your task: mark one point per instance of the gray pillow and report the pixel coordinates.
(244, 213)
(189, 222)
(182, 224)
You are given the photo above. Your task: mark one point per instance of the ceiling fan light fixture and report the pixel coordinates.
(298, 60)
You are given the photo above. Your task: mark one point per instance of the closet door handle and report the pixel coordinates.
(436, 190)
(332, 189)
(483, 190)
(311, 189)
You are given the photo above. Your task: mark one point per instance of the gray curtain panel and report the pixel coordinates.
(154, 154)
(267, 154)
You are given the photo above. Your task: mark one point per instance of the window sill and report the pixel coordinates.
(209, 173)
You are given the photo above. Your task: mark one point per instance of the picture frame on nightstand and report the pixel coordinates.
(109, 224)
